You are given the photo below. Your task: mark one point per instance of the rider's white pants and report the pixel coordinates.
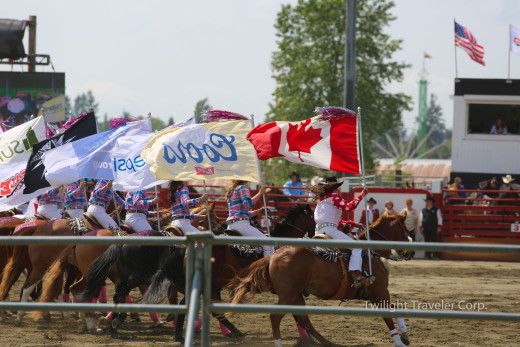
(49, 211)
(102, 217)
(184, 225)
(75, 212)
(137, 221)
(246, 229)
(355, 258)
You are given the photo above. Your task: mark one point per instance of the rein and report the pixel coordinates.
(285, 222)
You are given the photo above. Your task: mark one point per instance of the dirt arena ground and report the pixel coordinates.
(492, 285)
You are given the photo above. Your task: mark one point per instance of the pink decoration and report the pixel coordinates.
(116, 122)
(329, 112)
(71, 122)
(219, 116)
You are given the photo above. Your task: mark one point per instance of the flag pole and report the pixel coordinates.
(203, 181)
(115, 205)
(509, 55)
(156, 193)
(261, 183)
(455, 47)
(364, 187)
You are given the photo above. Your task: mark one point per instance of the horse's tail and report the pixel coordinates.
(253, 279)
(99, 271)
(170, 272)
(12, 269)
(53, 283)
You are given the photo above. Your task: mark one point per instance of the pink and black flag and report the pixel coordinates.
(328, 141)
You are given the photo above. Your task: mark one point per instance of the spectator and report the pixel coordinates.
(293, 182)
(454, 191)
(499, 127)
(412, 218)
(373, 213)
(508, 185)
(389, 208)
(491, 184)
(430, 221)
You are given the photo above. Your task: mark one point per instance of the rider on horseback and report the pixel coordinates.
(239, 201)
(327, 216)
(181, 203)
(75, 199)
(99, 201)
(137, 205)
(50, 203)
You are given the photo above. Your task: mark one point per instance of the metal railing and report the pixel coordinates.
(198, 275)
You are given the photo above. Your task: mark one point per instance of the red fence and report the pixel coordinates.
(475, 219)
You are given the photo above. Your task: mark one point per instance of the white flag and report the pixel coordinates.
(12, 186)
(88, 157)
(16, 143)
(514, 39)
(130, 171)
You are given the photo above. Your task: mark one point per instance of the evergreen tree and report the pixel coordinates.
(171, 121)
(200, 107)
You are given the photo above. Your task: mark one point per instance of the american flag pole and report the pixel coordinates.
(455, 47)
(509, 54)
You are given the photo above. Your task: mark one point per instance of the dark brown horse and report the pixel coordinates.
(228, 260)
(81, 257)
(295, 272)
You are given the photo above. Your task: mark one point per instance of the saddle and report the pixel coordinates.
(255, 252)
(173, 230)
(96, 225)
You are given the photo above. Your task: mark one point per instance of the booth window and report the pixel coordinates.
(482, 117)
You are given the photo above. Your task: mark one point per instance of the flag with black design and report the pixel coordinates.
(35, 171)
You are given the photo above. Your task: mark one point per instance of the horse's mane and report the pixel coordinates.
(293, 213)
(383, 220)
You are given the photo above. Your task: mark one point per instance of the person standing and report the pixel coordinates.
(137, 205)
(293, 182)
(389, 209)
(411, 222)
(50, 203)
(373, 212)
(454, 191)
(99, 200)
(430, 221)
(180, 200)
(327, 215)
(239, 201)
(75, 199)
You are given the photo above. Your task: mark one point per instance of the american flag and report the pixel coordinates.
(466, 40)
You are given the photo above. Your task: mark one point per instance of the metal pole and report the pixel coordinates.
(204, 182)
(349, 99)
(364, 187)
(158, 212)
(206, 297)
(115, 205)
(32, 44)
(190, 250)
(261, 184)
(193, 310)
(455, 47)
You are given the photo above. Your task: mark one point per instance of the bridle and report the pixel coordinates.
(384, 238)
(285, 222)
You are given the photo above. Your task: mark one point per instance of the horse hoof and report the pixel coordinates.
(180, 340)
(170, 317)
(114, 324)
(135, 317)
(405, 339)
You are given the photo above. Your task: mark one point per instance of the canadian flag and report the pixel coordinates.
(327, 141)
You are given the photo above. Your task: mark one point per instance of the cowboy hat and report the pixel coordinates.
(507, 179)
(331, 179)
(429, 198)
(372, 200)
(294, 173)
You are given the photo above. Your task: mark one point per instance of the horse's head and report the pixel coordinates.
(299, 222)
(203, 223)
(391, 228)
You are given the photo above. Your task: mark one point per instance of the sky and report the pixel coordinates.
(164, 56)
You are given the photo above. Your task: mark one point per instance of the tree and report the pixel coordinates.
(440, 134)
(200, 107)
(85, 102)
(171, 121)
(309, 64)
(68, 105)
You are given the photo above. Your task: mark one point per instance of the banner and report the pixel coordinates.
(88, 157)
(54, 109)
(203, 151)
(12, 185)
(514, 39)
(35, 172)
(130, 171)
(16, 143)
(325, 142)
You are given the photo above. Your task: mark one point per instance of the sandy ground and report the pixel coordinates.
(492, 285)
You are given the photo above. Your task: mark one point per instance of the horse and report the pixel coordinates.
(128, 266)
(294, 272)
(228, 260)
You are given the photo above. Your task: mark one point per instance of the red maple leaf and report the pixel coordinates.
(302, 140)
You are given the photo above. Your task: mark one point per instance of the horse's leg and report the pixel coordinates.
(123, 288)
(402, 327)
(26, 291)
(301, 330)
(226, 327)
(86, 317)
(153, 316)
(305, 323)
(34, 277)
(179, 328)
(172, 299)
(382, 300)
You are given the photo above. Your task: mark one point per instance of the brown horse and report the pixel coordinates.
(295, 272)
(228, 260)
(80, 257)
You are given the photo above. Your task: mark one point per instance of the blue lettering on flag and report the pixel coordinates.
(211, 151)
